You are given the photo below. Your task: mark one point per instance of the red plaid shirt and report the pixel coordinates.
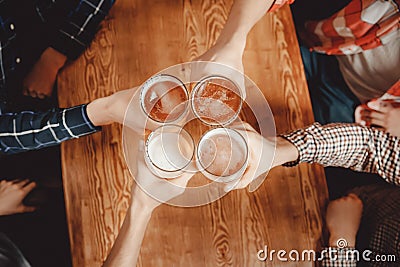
(361, 25)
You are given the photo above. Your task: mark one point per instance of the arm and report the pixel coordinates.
(342, 145)
(230, 45)
(150, 191)
(243, 16)
(72, 27)
(33, 130)
(79, 25)
(125, 251)
(343, 218)
(350, 146)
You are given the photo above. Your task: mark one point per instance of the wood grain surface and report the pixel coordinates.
(138, 39)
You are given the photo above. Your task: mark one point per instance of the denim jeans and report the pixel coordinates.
(333, 101)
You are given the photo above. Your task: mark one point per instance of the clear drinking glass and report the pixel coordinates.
(168, 151)
(222, 155)
(164, 98)
(216, 100)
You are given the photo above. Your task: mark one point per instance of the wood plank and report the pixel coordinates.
(137, 40)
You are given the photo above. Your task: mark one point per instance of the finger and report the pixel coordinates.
(244, 126)
(385, 106)
(256, 183)
(243, 182)
(20, 183)
(25, 92)
(352, 195)
(357, 114)
(376, 122)
(185, 177)
(33, 94)
(28, 208)
(377, 115)
(374, 104)
(29, 187)
(381, 106)
(41, 96)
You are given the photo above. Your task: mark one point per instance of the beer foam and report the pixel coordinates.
(216, 103)
(169, 151)
(164, 99)
(222, 154)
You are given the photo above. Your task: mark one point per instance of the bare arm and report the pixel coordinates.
(243, 16)
(230, 45)
(126, 248)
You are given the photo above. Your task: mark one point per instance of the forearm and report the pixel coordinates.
(33, 130)
(285, 152)
(126, 248)
(77, 29)
(349, 146)
(243, 16)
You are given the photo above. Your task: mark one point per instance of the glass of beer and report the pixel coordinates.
(168, 151)
(222, 155)
(216, 100)
(164, 98)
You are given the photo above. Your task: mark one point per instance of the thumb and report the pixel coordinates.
(374, 104)
(28, 208)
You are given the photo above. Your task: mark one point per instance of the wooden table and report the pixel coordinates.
(139, 39)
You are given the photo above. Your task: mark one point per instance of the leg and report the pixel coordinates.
(343, 218)
(331, 98)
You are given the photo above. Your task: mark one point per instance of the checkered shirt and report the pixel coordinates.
(350, 146)
(359, 26)
(27, 130)
(379, 230)
(69, 24)
(380, 223)
(339, 257)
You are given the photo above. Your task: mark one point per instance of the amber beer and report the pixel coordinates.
(164, 98)
(222, 155)
(216, 100)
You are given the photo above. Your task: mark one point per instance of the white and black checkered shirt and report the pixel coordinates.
(33, 130)
(350, 146)
(339, 257)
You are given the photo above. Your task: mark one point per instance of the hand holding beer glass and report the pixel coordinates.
(193, 126)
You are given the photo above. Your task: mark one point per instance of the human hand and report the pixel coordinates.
(150, 190)
(380, 113)
(12, 193)
(343, 218)
(224, 59)
(113, 108)
(260, 157)
(40, 80)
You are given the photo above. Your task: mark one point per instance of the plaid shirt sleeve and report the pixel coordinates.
(339, 257)
(351, 146)
(33, 130)
(78, 29)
